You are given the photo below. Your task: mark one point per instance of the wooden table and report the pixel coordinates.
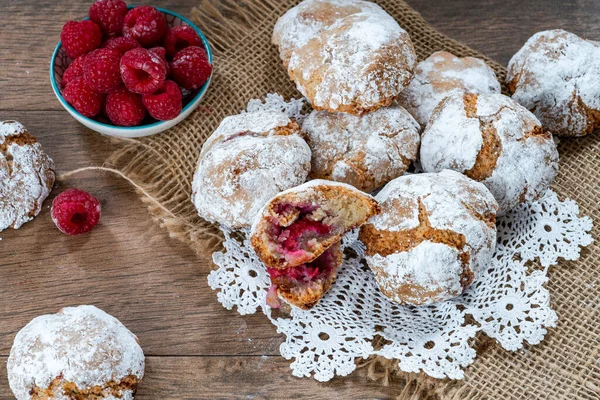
(130, 268)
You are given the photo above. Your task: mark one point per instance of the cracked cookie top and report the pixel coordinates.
(433, 235)
(26, 175)
(494, 140)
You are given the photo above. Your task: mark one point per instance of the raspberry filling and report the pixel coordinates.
(301, 277)
(295, 241)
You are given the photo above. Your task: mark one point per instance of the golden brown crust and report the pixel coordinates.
(59, 388)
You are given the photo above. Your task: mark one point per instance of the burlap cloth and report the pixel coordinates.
(565, 366)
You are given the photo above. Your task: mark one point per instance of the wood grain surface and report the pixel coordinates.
(130, 268)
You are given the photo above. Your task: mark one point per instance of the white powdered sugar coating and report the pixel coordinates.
(245, 165)
(309, 18)
(441, 75)
(416, 266)
(365, 151)
(556, 74)
(26, 177)
(527, 163)
(356, 63)
(453, 203)
(263, 122)
(83, 345)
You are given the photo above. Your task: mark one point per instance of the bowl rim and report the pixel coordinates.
(191, 103)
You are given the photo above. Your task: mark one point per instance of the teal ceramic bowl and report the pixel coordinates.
(60, 62)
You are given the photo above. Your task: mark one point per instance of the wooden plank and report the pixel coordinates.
(258, 377)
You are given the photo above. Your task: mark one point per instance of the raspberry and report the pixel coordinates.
(101, 70)
(162, 53)
(145, 24)
(190, 67)
(180, 37)
(86, 101)
(121, 44)
(75, 212)
(142, 71)
(165, 103)
(109, 15)
(80, 37)
(125, 108)
(74, 70)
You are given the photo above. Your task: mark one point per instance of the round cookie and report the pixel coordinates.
(441, 75)
(364, 151)
(26, 175)
(305, 21)
(249, 159)
(491, 139)
(556, 75)
(78, 353)
(434, 235)
(354, 63)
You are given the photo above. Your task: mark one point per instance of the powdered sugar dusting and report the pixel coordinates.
(553, 72)
(416, 266)
(84, 345)
(356, 63)
(365, 151)
(527, 163)
(443, 74)
(26, 177)
(247, 163)
(452, 202)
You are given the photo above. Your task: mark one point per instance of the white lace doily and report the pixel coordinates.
(508, 302)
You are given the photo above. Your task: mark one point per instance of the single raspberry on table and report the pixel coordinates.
(80, 37)
(109, 15)
(121, 44)
(124, 108)
(180, 37)
(75, 212)
(145, 24)
(165, 103)
(84, 100)
(74, 70)
(101, 70)
(190, 67)
(162, 53)
(143, 71)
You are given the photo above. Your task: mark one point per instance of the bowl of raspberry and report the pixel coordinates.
(130, 71)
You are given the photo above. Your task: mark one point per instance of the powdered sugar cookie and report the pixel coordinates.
(249, 159)
(432, 238)
(26, 175)
(441, 75)
(78, 353)
(354, 58)
(556, 75)
(297, 236)
(364, 151)
(491, 139)
(309, 18)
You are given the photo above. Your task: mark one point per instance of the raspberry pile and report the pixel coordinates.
(127, 64)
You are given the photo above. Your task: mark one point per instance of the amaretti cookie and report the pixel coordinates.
(556, 75)
(441, 75)
(26, 175)
(494, 140)
(297, 236)
(78, 353)
(249, 159)
(434, 235)
(364, 151)
(353, 58)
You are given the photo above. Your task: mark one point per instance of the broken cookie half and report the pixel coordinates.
(297, 236)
